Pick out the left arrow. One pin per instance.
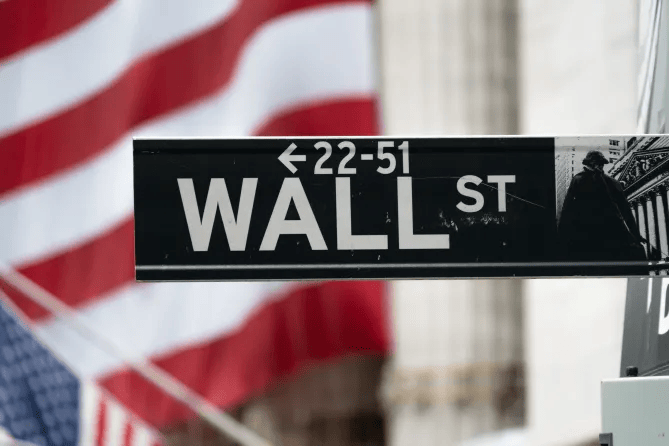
(288, 159)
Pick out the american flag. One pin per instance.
(79, 79)
(43, 403)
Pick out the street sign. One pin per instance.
(391, 208)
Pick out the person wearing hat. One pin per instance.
(597, 223)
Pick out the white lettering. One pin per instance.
(407, 239)
(236, 230)
(663, 326)
(292, 190)
(476, 195)
(345, 239)
(501, 181)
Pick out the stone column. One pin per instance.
(650, 223)
(664, 191)
(449, 66)
(641, 220)
(662, 222)
(656, 218)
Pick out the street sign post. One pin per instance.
(391, 208)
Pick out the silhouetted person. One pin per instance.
(597, 223)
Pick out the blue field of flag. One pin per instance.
(39, 396)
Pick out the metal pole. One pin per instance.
(166, 382)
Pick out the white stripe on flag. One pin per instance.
(115, 425)
(182, 314)
(46, 219)
(101, 50)
(88, 412)
(283, 67)
(141, 435)
(117, 418)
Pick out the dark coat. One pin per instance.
(590, 226)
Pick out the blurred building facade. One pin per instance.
(334, 404)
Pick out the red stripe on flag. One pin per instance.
(101, 425)
(310, 325)
(20, 299)
(346, 117)
(128, 433)
(154, 86)
(24, 23)
(82, 274)
(99, 266)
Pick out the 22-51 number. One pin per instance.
(383, 153)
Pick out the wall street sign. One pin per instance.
(391, 208)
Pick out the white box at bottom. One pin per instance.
(636, 411)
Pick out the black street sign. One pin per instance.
(391, 208)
